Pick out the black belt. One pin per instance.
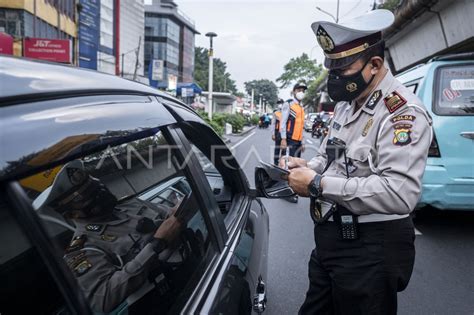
(346, 220)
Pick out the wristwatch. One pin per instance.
(314, 186)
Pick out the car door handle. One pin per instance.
(260, 297)
(467, 134)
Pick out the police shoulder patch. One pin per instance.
(403, 118)
(402, 136)
(394, 101)
(374, 99)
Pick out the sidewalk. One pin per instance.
(228, 138)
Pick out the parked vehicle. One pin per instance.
(446, 86)
(308, 123)
(140, 143)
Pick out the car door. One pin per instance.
(241, 271)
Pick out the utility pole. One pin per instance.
(123, 57)
(211, 35)
(137, 58)
(251, 104)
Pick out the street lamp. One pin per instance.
(211, 35)
(260, 103)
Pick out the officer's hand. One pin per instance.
(293, 162)
(299, 180)
(283, 144)
(169, 230)
(273, 137)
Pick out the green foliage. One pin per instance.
(237, 121)
(312, 92)
(254, 119)
(267, 88)
(222, 80)
(389, 5)
(220, 119)
(298, 69)
(239, 94)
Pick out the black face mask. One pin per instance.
(347, 87)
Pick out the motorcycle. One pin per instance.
(317, 129)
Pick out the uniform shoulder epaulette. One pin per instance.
(394, 101)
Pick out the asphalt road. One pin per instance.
(443, 277)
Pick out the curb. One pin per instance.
(226, 140)
(243, 133)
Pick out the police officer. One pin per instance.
(114, 247)
(292, 121)
(276, 136)
(366, 178)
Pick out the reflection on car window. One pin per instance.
(222, 192)
(455, 91)
(26, 282)
(128, 226)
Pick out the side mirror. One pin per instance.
(269, 188)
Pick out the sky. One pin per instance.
(256, 38)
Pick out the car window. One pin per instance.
(221, 191)
(105, 213)
(26, 281)
(454, 90)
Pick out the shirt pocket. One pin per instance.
(358, 163)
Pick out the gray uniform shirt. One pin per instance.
(110, 259)
(387, 142)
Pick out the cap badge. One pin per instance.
(324, 40)
(351, 87)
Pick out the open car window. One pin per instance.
(127, 224)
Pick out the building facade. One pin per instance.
(426, 28)
(132, 35)
(169, 37)
(45, 19)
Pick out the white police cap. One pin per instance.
(344, 42)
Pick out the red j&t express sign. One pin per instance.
(58, 50)
(6, 44)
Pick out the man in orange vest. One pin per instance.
(276, 136)
(292, 122)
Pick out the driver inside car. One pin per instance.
(115, 246)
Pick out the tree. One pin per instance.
(389, 5)
(267, 88)
(298, 69)
(222, 80)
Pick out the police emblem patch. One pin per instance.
(374, 99)
(394, 101)
(367, 126)
(351, 87)
(402, 137)
(324, 40)
(82, 267)
(94, 227)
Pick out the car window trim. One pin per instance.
(34, 230)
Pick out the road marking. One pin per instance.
(309, 141)
(241, 141)
(417, 232)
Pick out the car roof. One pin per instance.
(25, 77)
(52, 113)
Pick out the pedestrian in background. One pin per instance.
(276, 136)
(366, 177)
